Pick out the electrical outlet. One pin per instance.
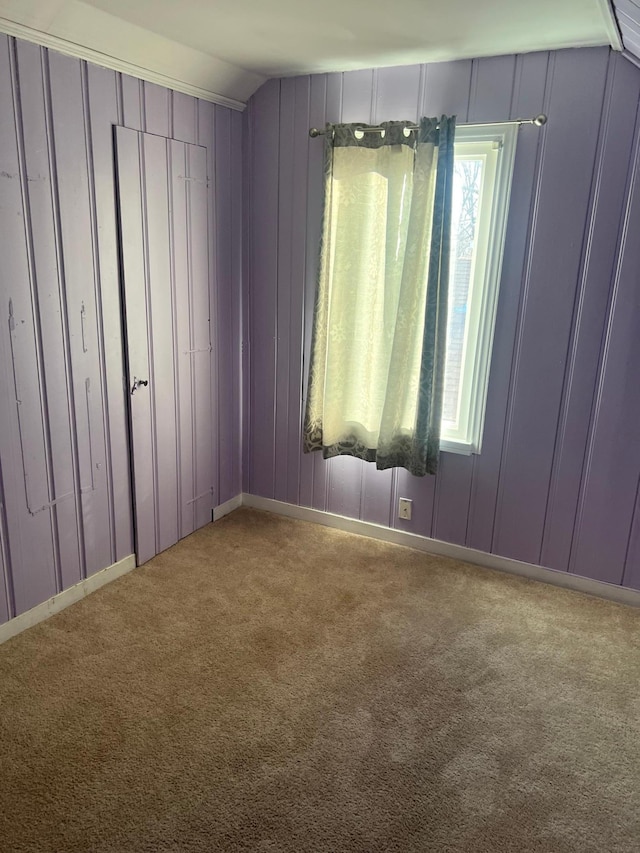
(404, 508)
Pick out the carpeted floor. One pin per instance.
(272, 685)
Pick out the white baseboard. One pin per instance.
(600, 589)
(65, 598)
(227, 507)
(350, 525)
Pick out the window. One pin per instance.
(484, 158)
(381, 347)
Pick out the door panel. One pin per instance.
(198, 353)
(162, 188)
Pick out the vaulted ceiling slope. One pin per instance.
(222, 50)
(628, 15)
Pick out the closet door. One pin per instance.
(162, 189)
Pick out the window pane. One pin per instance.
(467, 183)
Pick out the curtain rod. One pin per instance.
(539, 121)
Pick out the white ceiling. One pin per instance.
(224, 49)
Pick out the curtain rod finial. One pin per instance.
(540, 120)
(313, 132)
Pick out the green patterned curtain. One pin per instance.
(376, 376)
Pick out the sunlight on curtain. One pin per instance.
(378, 351)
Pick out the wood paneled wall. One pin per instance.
(557, 481)
(65, 501)
(627, 13)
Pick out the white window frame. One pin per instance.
(496, 145)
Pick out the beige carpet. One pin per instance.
(272, 685)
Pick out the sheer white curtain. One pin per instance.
(376, 374)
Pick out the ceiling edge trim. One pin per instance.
(611, 24)
(11, 28)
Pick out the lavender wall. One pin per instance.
(556, 483)
(65, 502)
(627, 13)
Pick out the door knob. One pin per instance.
(137, 383)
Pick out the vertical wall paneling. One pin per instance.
(64, 445)
(575, 101)
(446, 89)
(529, 80)
(183, 341)
(559, 394)
(377, 495)
(99, 415)
(132, 100)
(247, 258)
(397, 94)
(284, 287)
(606, 208)
(50, 310)
(223, 342)
(452, 496)
(219, 285)
(612, 467)
(492, 80)
(238, 239)
(185, 118)
(356, 96)
(77, 236)
(335, 96)
(344, 493)
(526, 176)
(158, 103)
(103, 89)
(27, 498)
(195, 179)
(263, 296)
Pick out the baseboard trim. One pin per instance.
(65, 598)
(600, 589)
(228, 506)
(620, 594)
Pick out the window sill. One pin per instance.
(463, 448)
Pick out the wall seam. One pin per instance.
(276, 330)
(303, 366)
(583, 271)
(174, 342)
(214, 304)
(594, 415)
(97, 282)
(60, 261)
(192, 342)
(36, 317)
(522, 306)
